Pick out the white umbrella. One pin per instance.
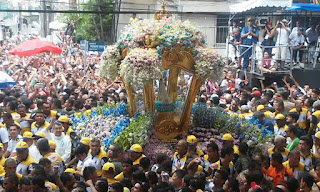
(57, 25)
(6, 80)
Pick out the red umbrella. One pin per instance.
(33, 47)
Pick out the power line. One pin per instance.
(105, 12)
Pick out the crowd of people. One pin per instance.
(40, 151)
(275, 44)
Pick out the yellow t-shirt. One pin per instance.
(302, 121)
(119, 176)
(50, 186)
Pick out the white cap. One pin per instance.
(213, 96)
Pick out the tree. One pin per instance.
(95, 26)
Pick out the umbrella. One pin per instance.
(33, 47)
(6, 80)
(57, 25)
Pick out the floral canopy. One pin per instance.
(146, 40)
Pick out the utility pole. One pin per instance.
(44, 24)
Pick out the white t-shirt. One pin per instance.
(283, 37)
(13, 143)
(63, 146)
(34, 153)
(4, 135)
(296, 39)
(85, 163)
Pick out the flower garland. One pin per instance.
(110, 62)
(208, 64)
(140, 65)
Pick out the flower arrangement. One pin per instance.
(154, 146)
(103, 122)
(136, 132)
(166, 33)
(208, 64)
(140, 65)
(213, 123)
(172, 32)
(110, 62)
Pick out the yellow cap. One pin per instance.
(40, 134)
(52, 144)
(126, 189)
(27, 135)
(191, 140)
(85, 141)
(135, 148)
(317, 135)
(70, 170)
(227, 137)
(64, 119)
(280, 116)
(200, 168)
(21, 145)
(1, 145)
(260, 107)
(107, 166)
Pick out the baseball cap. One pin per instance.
(63, 119)
(260, 107)
(317, 135)
(256, 93)
(213, 96)
(280, 116)
(284, 21)
(85, 141)
(70, 170)
(52, 144)
(27, 135)
(135, 148)
(191, 140)
(227, 137)
(21, 145)
(107, 166)
(40, 134)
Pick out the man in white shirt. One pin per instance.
(63, 142)
(282, 42)
(297, 40)
(14, 139)
(81, 152)
(4, 137)
(33, 150)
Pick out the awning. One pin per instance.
(304, 7)
(257, 4)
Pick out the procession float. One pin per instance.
(149, 57)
